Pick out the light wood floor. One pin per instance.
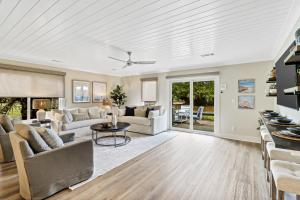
(186, 167)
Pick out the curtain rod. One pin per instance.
(31, 69)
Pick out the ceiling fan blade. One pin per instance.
(116, 69)
(144, 62)
(116, 59)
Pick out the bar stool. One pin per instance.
(265, 138)
(285, 178)
(274, 153)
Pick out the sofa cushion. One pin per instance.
(51, 138)
(81, 124)
(140, 112)
(80, 117)
(129, 111)
(135, 120)
(2, 131)
(6, 123)
(69, 112)
(35, 141)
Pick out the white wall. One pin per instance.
(74, 75)
(291, 113)
(234, 123)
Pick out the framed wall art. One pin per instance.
(247, 86)
(99, 91)
(246, 102)
(81, 91)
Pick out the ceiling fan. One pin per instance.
(129, 62)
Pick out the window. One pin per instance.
(21, 108)
(149, 90)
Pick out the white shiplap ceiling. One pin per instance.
(81, 34)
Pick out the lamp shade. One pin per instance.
(40, 103)
(107, 102)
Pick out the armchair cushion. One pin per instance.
(6, 123)
(6, 152)
(2, 131)
(33, 138)
(51, 138)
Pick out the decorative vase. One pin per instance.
(41, 115)
(114, 120)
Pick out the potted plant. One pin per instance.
(118, 96)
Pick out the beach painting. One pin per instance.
(246, 102)
(247, 86)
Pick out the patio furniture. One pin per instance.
(181, 115)
(199, 113)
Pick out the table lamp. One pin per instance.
(107, 104)
(40, 104)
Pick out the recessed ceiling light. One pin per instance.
(207, 54)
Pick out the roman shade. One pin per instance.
(149, 89)
(18, 81)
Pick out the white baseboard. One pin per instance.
(245, 138)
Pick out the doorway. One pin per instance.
(194, 104)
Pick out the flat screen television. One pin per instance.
(286, 77)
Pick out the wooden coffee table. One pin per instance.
(121, 127)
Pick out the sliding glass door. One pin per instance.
(181, 105)
(193, 104)
(203, 106)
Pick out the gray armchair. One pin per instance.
(43, 174)
(6, 152)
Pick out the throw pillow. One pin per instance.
(80, 117)
(121, 112)
(83, 110)
(94, 112)
(139, 112)
(129, 111)
(62, 118)
(69, 112)
(6, 123)
(35, 141)
(51, 138)
(94, 116)
(147, 111)
(2, 131)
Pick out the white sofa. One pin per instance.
(78, 120)
(155, 123)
